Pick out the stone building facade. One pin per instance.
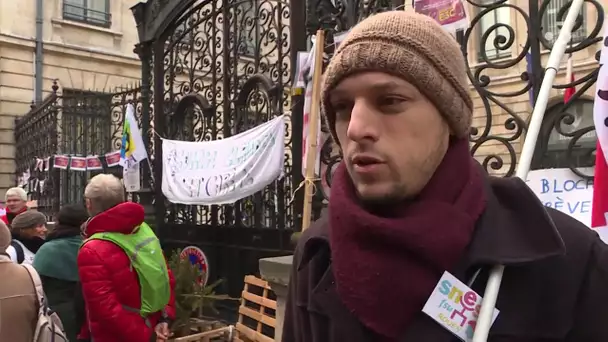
(87, 45)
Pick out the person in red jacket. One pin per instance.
(110, 286)
(16, 203)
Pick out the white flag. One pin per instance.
(132, 149)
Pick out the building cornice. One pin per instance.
(70, 50)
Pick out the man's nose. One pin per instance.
(363, 123)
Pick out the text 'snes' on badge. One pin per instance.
(455, 307)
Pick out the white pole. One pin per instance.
(557, 53)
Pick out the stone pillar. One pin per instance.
(276, 272)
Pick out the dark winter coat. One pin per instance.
(554, 286)
(56, 264)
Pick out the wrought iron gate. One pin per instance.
(219, 68)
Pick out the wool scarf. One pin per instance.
(32, 243)
(386, 263)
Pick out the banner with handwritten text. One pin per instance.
(563, 190)
(223, 171)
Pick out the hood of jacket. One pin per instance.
(122, 218)
(57, 258)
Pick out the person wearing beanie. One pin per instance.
(16, 203)
(56, 263)
(29, 233)
(409, 203)
(18, 301)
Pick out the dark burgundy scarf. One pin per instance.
(387, 266)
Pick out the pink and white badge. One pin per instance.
(455, 307)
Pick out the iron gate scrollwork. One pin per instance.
(220, 68)
(235, 57)
(494, 142)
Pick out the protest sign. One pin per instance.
(563, 190)
(197, 257)
(223, 171)
(450, 14)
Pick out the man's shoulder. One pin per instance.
(576, 235)
(310, 241)
(101, 250)
(573, 233)
(19, 275)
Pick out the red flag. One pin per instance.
(600, 190)
(569, 92)
(599, 206)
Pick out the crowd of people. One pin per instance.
(101, 268)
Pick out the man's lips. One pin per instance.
(366, 164)
(364, 160)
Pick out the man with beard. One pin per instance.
(408, 203)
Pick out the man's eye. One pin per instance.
(342, 110)
(390, 101)
(340, 106)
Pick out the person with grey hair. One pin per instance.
(16, 203)
(126, 298)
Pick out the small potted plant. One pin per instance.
(192, 298)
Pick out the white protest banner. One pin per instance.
(131, 177)
(223, 171)
(563, 190)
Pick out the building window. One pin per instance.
(94, 12)
(249, 30)
(500, 15)
(552, 148)
(551, 25)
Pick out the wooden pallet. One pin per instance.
(225, 332)
(245, 333)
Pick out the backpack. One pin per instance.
(48, 326)
(146, 255)
(19, 250)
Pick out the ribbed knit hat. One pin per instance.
(413, 47)
(28, 219)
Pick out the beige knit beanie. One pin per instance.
(411, 46)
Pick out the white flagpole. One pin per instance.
(557, 53)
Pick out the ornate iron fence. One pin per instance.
(212, 69)
(75, 123)
(224, 68)
(498, 124)
(36, 136)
